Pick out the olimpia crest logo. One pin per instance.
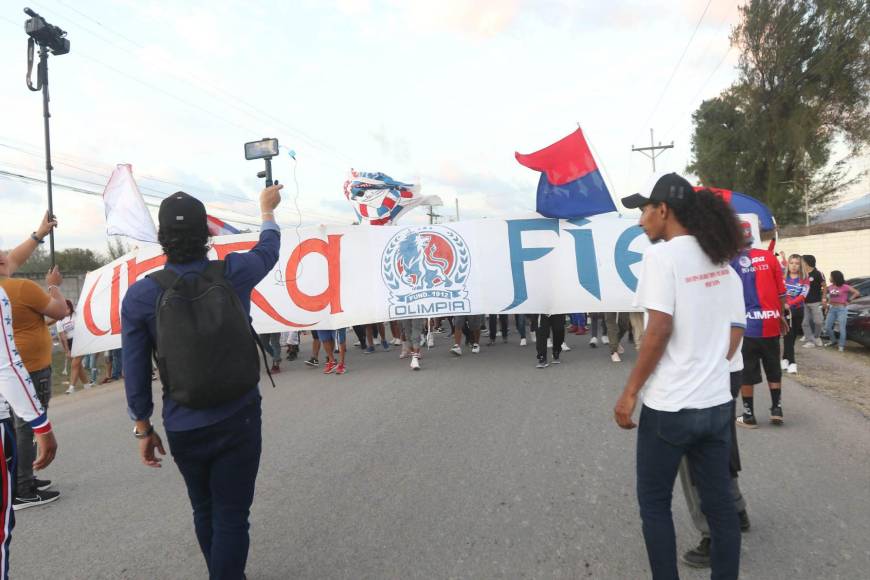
(425, 269)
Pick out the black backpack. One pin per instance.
(206, 347)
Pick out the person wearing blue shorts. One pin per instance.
(328, 338)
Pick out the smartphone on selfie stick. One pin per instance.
(264, 149)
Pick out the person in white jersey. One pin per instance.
(694, 311)
(17, 392)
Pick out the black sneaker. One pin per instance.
(556, 359)
(542, 363)
(776, 416)
(698, 557)
(41, 484)
(748, 421)
(38, 498)
(312, 362)
(744, 521)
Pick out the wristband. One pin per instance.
(144, 435)
(36, 238)
(50, 286)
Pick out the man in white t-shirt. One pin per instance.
(694, 326)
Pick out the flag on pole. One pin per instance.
(571, 185)
(378, 199)
(218, 227)
(742, 203)
(126, 214)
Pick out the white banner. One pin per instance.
(338, 276)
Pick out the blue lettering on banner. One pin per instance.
(519, 255)
(584, 254)
(624, 258)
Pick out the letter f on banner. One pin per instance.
(519, 255)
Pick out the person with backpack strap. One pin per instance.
(193, 318)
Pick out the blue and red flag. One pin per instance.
(571, 185)
(742, 203)
(218, 227)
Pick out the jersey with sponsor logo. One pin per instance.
(763, 289)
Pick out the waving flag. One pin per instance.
(378, 199)
(218, 227)
(742, 203)
(571, 185)
(126, 214)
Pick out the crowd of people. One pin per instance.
(693, 362)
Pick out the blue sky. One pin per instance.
(437, 92)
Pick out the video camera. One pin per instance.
(45, 34)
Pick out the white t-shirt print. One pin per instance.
(705, 301)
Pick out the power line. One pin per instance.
(677, 66)
(324, 147)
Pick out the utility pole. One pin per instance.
(434, 218)
(653, 149)
(457, 209)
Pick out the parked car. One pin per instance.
(861, 284)
(858, 321)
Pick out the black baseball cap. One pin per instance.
(670, 188)
(182, 212)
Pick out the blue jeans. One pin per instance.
(219, 464)
(836, 314)
(663, 438)
(117, 364)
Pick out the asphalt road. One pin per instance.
(479, 467)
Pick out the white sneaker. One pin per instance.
(593, 342)
(605, 340)
(615, 357)
(803, 339)
(841, 349)
(565, 347)
(357, 343)
(783, 363)
(522, 342)
(809, 344)
(405, 352)
(475, 348)
(396, 342)
(430, 342)
(818, 342)
(88, 385)
(457, 350)
(415, 363)
(549, 343)
(792, 369)
(70, 390)
(620, 349)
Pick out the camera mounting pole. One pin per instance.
(42, 84)
(49, 37)
(267, 173)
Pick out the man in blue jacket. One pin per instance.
(217, 449)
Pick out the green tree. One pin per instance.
(804, 87)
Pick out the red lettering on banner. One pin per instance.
(115, 301)
(331, 250)
(257, 298)
(89, 316)
(136, 269)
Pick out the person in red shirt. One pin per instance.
(764, 295)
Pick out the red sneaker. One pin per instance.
(329, 368)
(572, 329)
(275, 369)
(340, 369)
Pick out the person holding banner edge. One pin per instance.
(683, 366)
(216, 447)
